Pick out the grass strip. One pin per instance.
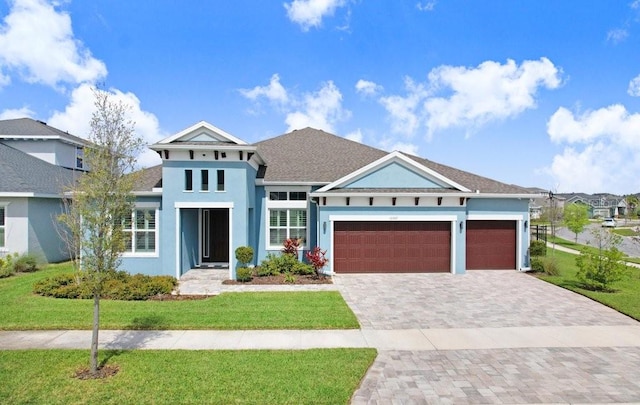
(626, 298)
(327, 376)
(23, 310)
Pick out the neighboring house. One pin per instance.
(36, 163)
(600, 205)
(543, 200)
(373, 211)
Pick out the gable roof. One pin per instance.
(22, 173)
(150, 178)
(314, 156)
(405, 161)
(217, 136)
(27, 128)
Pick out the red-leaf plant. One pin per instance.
(316, 257)
(290, 247)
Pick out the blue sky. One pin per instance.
(538, 93)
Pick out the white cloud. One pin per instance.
(634, 86)
(475, 96)
(602, 152)
(408, 148)
(37, 43)
(426, 6)
(77, 115)
(309, 13)
(368, 88)
(617, 35)
(273, 92)
(355, 136)
(403, 110)
(24, 112)
(322, 110)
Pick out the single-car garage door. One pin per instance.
(491, 245)
(391, 247)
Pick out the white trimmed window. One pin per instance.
(141, 233)
(287, 217)
(3, 211)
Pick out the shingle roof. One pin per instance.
(31, 127)
(309, 154)
(312, 155)
(22, 173)
(150, 178)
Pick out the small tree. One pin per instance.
(101, 199)
(576, 218)
(600, 268)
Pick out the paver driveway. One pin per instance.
(487, 299)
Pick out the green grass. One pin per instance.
(23, 310)
(625, 232)
(626, 299)
(579, 247)
(328, 376)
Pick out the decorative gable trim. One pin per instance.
(403, 160)
(192, 133)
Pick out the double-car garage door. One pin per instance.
(420, 246)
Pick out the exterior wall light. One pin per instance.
(461, 226)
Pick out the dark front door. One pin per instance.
(215, 235)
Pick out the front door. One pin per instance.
(215, 236)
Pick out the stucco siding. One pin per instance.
(16, 225)
(393, 175)
(45, 241)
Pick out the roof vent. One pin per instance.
(42, 122)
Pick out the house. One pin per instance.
(373, 211)
(599, 205)
(36, 162)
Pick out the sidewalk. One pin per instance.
(405, 339)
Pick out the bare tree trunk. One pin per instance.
(94, 335)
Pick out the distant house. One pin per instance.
(373, 211)
(36, 162)
(600, 205)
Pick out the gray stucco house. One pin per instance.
(36, 162)
(373, 211)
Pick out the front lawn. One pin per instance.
(22, 310)
(626, 299)
(181, 377)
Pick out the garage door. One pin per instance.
(491, 245)
(392, 247)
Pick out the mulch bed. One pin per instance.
(103, 372)
(279, 279)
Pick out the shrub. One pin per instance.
(118, 285)
(302, 269)
(268, 267)
(550, 266)
(538, 248)
(317, 259)
(291, 246)
(7, 265)
(289, 278)
(25, 263)
(244, 274)
(282, 264)
(244, 255)
(536, 264)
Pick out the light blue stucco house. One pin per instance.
(373, 211)
(37, 163)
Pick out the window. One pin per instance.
(204, 176)
(140, 231)
(287, 223)
(290, 196)
(220, 186)
(188, 180)
(79, 158)
(2, 226)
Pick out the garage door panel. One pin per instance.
(398, 247)
(491, 245)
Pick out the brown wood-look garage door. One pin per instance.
(391, 247)
(491, 245)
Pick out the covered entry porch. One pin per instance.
(203, 237)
